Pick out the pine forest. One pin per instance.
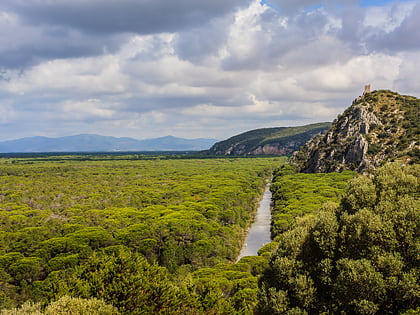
(160, 234)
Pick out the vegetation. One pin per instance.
(109, 227)
(379, 127)
(64, 306)
(159, 234)
(298, 194)
(400, 124)
(358, 257)
(287, 139)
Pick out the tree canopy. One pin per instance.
(358, 257)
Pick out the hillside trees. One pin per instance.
(360, 257)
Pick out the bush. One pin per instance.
(66, 305)
(76, 306)
(373, 148)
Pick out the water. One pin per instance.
(259, 233)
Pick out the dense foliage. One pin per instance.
(159, 235)
(358, 257)
(112, 228)
(298, 194)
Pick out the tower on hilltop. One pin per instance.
(367, 89)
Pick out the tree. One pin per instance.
(360, 257)
(27, 269)
(127, 281)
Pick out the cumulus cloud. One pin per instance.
(67, 29)
(23, 45)
(195, 68)
(203, 42)
(110, 16)
(404, 37)
(82, 76)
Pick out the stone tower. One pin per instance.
(367, 89)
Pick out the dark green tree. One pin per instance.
(360, 257)
(125, 280)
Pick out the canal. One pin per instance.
(259, 232)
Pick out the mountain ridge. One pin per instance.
(96, 143)
(268, 141)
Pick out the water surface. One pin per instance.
(259, 232)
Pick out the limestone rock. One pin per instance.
(378, 126)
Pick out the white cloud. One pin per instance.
(238, 69)
(407, 81)
(380, 70)
(389, 17)
(87, 109)
(81, 75)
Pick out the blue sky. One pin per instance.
(267, 3)
(196, 68)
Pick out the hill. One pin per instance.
(96, 143)
(378, 127)
(273, 141)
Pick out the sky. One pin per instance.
(196, 68)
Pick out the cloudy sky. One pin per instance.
(196, 68)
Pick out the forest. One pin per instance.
(134, 234)
(153, 220)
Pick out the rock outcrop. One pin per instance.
(379, 126)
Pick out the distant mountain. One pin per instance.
(379, 126)
(97, 143)
(271, 141)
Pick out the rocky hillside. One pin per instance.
(379, 126)
(269, 141)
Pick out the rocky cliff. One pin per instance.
(268, 141)
(378, 127)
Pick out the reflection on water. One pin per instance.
(259, 233)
